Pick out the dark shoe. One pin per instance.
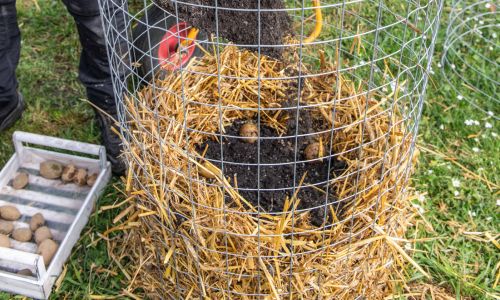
(112, 142)
(14, 115)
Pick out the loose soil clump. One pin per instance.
(234, 22)
(277, 180)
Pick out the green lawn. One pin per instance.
(460, 223)
(48, 80)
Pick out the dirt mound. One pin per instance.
(237, 21)
(277, 180)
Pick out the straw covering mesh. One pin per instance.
(199, 237)
(349, 80)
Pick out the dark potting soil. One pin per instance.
(234, 23)
(278, 179)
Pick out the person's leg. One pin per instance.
(11, 103)
(95, 73)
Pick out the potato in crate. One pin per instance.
(47, 192)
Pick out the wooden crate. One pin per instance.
(66, 207)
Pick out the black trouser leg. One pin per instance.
(10, 45)
(94, 73)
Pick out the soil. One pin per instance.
(278, 177)
(234, 23)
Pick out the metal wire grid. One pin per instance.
(472, 47)
(398, 36)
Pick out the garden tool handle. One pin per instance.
(319, 23)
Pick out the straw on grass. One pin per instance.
(200, 238)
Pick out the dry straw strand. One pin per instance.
(199, 237)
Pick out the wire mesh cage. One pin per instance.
(270, 143)
(471, 50)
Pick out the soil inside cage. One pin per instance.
(278, 172)
(237, 21)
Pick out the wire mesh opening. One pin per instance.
(270, 142)
(471, 44)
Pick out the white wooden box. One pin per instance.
(66, 207)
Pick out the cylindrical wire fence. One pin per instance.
(471, 50)
(270, 143)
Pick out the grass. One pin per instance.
(459, 210)
(47, 76)
(460, 207)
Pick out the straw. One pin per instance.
(200, 237)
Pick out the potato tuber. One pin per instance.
(37, 221)
(9, 213)
(51, 169)
(47, 249)
(249, 132)
(20, 181)
(22, 234)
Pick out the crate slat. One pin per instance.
(11, 167)
(49, 215)
(23, 246)
(55, 185)
(41, 198)
(37, 156)
(14, 285)
(65, 207)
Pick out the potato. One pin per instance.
(80, 177)
(42, 233)
(51, 169)
(47, 249)
(312, 151)
(25, 272)
(37, 221)
(4, 241)
(91, 179)
(68, 173)
(249, 132)
(6, 227)
(22, 234)
(20, 181)
(9, 213)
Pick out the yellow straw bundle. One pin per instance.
(190, 237)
